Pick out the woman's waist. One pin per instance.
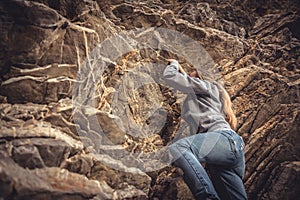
(236, 138)
(214, 126)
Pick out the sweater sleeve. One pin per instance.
(183, 82)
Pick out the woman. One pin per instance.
(207, 110)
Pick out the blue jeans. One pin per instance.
(222, 151)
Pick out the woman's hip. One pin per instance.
(223, 147)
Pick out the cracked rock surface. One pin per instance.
(84, 111)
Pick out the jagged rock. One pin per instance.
(286, 174)
(105, 169)
(47, 183)
(169, 184)
(58, 144)
(42, 53)
(36, 144)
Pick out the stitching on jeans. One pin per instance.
(233, 147)
(199, 178)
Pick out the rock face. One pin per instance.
(85, 114)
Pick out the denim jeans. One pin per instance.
(222, 151)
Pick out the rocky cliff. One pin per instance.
(85, 114)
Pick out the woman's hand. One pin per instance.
(180, 69)
(172, 60)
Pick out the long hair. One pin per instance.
(227, 106)
(225, 100)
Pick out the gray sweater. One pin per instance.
(202, 108)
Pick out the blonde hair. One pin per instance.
(225, 100)
(227, 106)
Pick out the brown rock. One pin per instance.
(52, 149)
(47, 183)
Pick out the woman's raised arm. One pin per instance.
(175, 76)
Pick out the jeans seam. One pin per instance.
(233, 147)
(200, 179)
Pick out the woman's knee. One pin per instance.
(175, 150)
(178, 148)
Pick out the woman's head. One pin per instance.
(227, 106)
(194, 73)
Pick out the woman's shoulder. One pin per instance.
(207, 83)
